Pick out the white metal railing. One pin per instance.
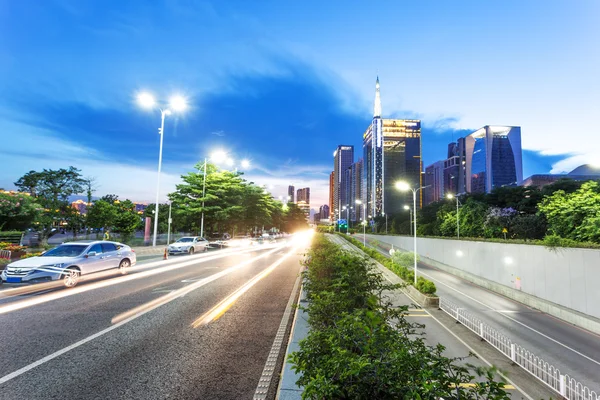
(5, 254)
(564, 385)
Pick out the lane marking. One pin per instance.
(506, 316)
(122, 322)
(221, 308)
(29, 302)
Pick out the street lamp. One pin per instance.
(364, 224)
(450, 196)
(177, 104)
(403, 187)
(407, 207)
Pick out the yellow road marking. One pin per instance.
(508, 387)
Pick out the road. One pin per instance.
(160, 332)
(574, 351)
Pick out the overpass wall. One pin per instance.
(563, 282)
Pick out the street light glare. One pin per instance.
(178, 103)
(245, 164)
(406, 207)
(218, 156)
(402, 186)
(358, 202)
(229, 161)
(146, 100)
(450, 196)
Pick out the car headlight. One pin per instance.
(49, 267)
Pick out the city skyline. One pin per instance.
(82, 107)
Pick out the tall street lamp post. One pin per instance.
(407, 207)
(177, 103)
(450, 196)
(364, 224)
(403, 186)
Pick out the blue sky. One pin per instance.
(283, 83)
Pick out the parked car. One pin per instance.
(69, 261)
(189, 245)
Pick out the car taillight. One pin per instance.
(132, 250)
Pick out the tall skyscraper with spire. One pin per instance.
(392, 152)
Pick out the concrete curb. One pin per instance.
(288, 390)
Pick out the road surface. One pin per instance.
(153, 334)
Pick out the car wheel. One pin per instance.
(191, 251)
(124, 266)
(70, 277)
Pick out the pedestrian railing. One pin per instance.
(564, 385)
(5, 254)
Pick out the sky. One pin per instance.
(283, 83)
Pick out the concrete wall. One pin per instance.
(568, 278)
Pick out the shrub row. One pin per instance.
(399, 264)
(360, 347)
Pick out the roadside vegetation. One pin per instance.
(360, 347)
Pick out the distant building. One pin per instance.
(493, 158)
(316, 218)
(140, 207)
(324, 211)
(343, 158)
(303, 195)
(331, 194)
(291, 194)
(356, 189)
(455, 168)
(305, 207)
(392, 152)
(434, 183)
(81, 206)
(584, 172)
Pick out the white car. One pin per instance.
(188, 245)
(69, 261)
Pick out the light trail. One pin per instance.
(18, 305)
(221, 308)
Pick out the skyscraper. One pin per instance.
(356, 190)
(291, 194)
(392, 152)
(303, 195)
(434, 183)
(331, 194)
(493, 158)
(343, 159)
(324, 211)
(454, 168)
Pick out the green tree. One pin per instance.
(163, 216)
(127, 220)
(574, 215)
(472, 218)
(18, 211)
(51, 189)
(294, 219)
(102, 215)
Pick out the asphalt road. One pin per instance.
(147, 335)
(574, 351)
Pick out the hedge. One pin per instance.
(361, 347)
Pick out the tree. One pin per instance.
(110, 198)
(18, 211)
(102, 215)
(51, 189)
(294, 219)
(574, 215)
(90, 185)
(127, 220)
(163, 216)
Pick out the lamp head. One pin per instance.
(402, 186)
(178, 103)
(146, 100)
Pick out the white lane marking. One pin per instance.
(514, 320)
(58, 353)
(464, 343)
(101, 284)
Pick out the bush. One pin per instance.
(29, 255)
(360, 347)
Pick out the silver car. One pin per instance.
(69, 261)
(189, 245)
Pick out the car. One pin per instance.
(69, 261)
(188, 245)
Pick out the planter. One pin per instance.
(422, 299)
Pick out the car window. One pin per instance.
(67, 250)
(185, 240)
(97, 248)
(106, 247)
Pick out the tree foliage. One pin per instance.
(18, 211)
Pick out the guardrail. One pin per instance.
(562, 384)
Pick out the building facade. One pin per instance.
(291, 190)
(391, 153)
(434, 183)
(303, 195)
(356, 190)
(493, 158)
(324, 211)
(331, 194)
(454, 168)
(343, 159)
